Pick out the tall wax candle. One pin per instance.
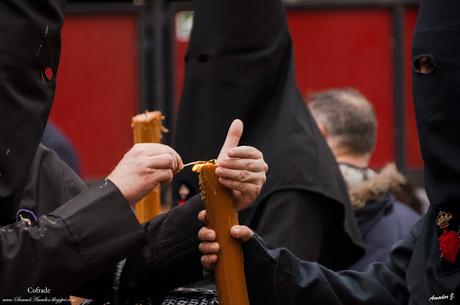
(222, 215)
(147, 128)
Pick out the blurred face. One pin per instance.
(184, 191)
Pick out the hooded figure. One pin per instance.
(239, 64)
(40, 244)
(51, 238)
(425, 267)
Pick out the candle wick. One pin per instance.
(193, 163)
(213, 161)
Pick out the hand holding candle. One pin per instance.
(143, 168)
(241, 168)
(148, 128)
(231, 184)
(210, 247)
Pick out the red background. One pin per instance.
(98, 79)
(97, 88)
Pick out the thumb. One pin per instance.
(242, 233)
(233, 137)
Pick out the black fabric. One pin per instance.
(78, 243)
(416, 272)
(50, 184)
(29, 44)
(286, 280)
(303, 223)
(55, 233)
(239, 64)
(436, 95)
(48, 237)
(297, 213)
(170, 259)
(68, 243)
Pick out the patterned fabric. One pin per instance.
(187, 296)
(180, 296)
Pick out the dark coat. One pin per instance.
(383, 222)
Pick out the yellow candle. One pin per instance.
(147, 128)
(222, 215)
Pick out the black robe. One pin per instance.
(77, 240)
(55, 233)
(239, 64)
(416, 272)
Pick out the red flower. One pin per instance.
(449, 245)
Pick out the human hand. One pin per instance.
(144, 167)
(210, 248)
(241, 169)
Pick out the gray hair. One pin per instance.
(348, 117)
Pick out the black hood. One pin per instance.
(239, 64)
(436, 91)
(437, 96)
(29, 57)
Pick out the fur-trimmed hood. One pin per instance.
(365, 185)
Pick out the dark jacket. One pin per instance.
(382, 220)
(383, 223)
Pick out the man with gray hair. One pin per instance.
(348, 122)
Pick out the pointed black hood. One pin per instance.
(29, 58)
(239, 64)
(436, 90)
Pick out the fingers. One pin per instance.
(233, 137)
(143, 167)
(206, 234)
(246, 164)
(253, 165)
(242, 233)
(162, 161)
(253, 173)
(209, 247)
(161, 176)
(244, 152)
(209, 261)
(243, 170)
(250, 190)
(202, 216)
(152, 150)
(247, 172)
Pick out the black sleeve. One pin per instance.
(170, 259)
(68, 246)
(294, 220)
(278, 277)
